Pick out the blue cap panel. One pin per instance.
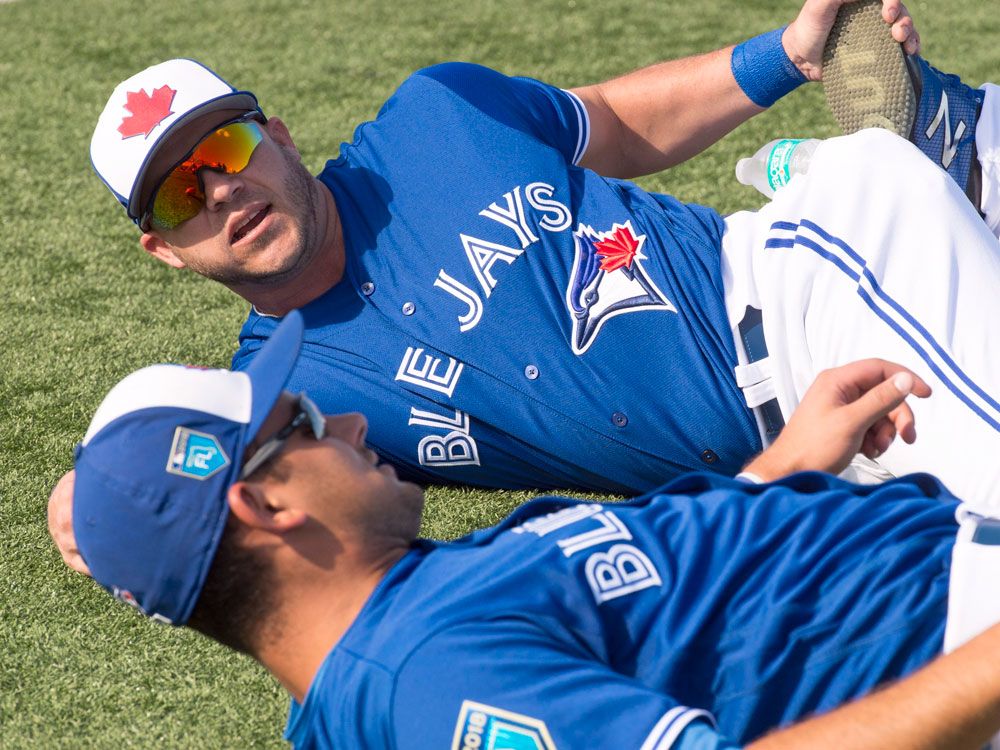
(147, 531)
(149, 499)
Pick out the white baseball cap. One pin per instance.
(142, 113)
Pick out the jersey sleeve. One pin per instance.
(552, 115)
(507, 683)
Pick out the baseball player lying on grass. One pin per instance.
(508, 314)
(704, 614)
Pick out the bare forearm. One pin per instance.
(661, 115)
(951, 704)
(664, 114)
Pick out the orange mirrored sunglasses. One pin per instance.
(181, 194)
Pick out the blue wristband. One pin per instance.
(763, 70)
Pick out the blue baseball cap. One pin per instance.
(152, 472)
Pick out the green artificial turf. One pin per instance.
(83, 306)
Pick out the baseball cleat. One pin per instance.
(865, 76)
(945, 124)
(870, 83)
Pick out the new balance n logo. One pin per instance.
(950, 142)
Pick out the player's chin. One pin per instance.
(274, 260)
(403, 486)
(269, 245)
(391, 477)
(290, 253)
(413, 496)
(387, 470)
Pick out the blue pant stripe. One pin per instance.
(835, 241)
(931, 341)
(838, 262)
(927, 359)
(778, 242)
(775, 242)
(877, 301)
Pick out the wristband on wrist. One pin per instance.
(763, 70)
(749, 477)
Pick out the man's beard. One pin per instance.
(300, 191)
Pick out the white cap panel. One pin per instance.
(218, 392)
(141, 111)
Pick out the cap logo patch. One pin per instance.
(147, 111)
(482, 727)
(196, 455)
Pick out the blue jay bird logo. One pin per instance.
(608, 280)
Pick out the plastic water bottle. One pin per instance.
(776, 163)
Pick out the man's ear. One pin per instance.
(249, 502)
(160, 249)
(279, 132)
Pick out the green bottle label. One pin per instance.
(780, 161)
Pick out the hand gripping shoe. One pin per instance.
(870, 83)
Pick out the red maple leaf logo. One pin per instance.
(618, 250)
(147, 111)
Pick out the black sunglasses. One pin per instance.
(305, 411)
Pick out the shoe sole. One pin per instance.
(865, 78)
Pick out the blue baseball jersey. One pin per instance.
(697, 617)
(508, 318)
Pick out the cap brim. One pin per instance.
(271, 367)
(238, 100)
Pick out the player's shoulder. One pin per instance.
(346, 706)
(457, 74)
(363, 696)
(465, 80)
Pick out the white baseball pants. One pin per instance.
(876, 252)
